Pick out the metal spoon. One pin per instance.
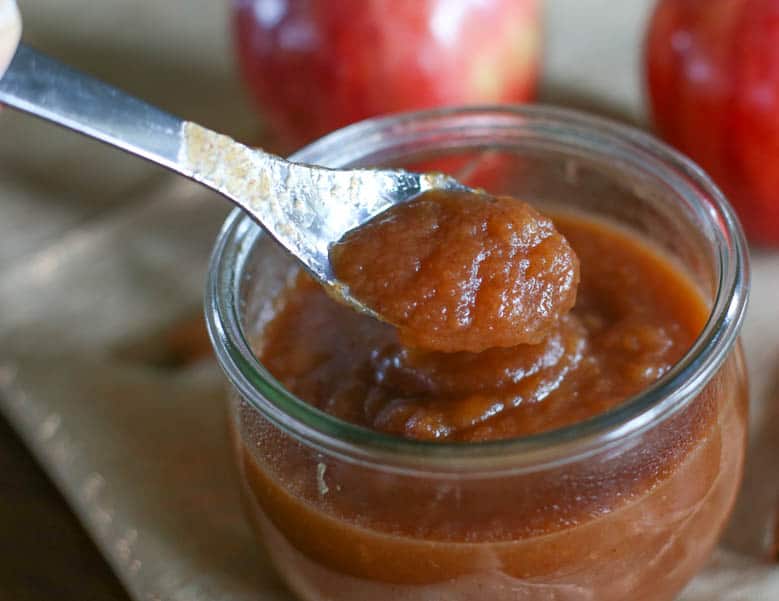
(305, 208)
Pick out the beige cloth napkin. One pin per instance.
(94, 297)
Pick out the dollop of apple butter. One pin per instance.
(461, 271)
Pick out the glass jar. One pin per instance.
(626, 505)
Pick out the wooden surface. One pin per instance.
(44, 552)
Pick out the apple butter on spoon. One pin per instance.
(461, 271)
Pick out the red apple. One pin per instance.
(712, 70)
(317, 65)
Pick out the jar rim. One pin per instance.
(572, 442)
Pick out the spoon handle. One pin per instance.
(293, 202)
(40, 85)
(304, 207)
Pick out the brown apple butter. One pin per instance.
(461, 271)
